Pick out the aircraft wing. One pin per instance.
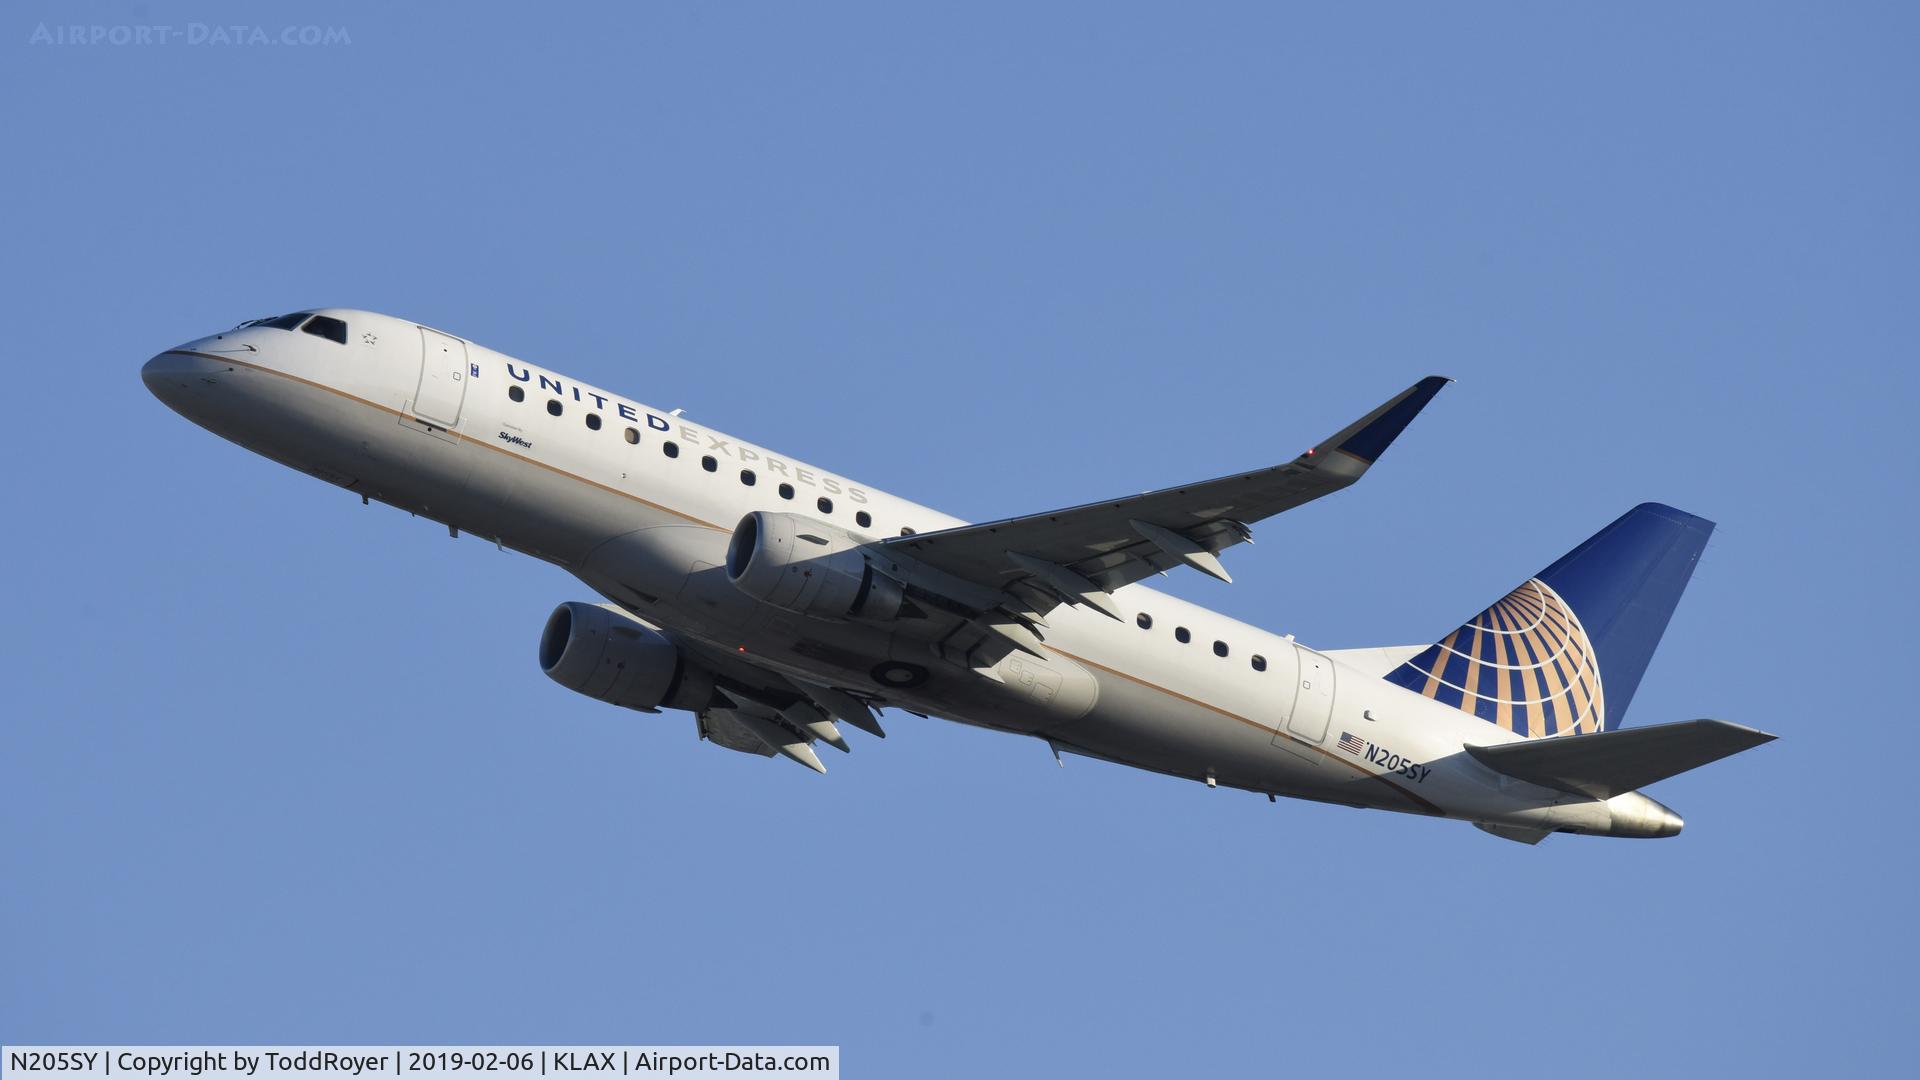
(1081, 554)
(763, 712)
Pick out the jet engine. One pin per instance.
(810, 567)
(602, 652)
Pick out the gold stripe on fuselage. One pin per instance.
(1423, 805)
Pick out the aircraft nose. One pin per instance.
(167, 375)
(172, 376)
(159, 370)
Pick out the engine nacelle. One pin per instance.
(809, 567)
(602, 652)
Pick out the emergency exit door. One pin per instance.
(443, 378)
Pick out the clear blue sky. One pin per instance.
(277, 768)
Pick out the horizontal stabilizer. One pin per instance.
(1519, 834)
(1614, 762)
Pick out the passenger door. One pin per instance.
(1313, 705)
(443, 378)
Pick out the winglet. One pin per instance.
(1368, 437)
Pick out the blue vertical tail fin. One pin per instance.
(1563, 653)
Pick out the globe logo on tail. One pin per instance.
(1524, 664)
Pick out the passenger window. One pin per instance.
(825, 504)
(553, 407)
(863, 519)
(514, 393)
(1180, 635)
(1259, 662)
(670, 448)
(786, 491)
(328, 327)
(1143, 620)
(633, 436)
(747, 477)
(905, 531)
(593, 420)
(709, 464)
(1219, 648)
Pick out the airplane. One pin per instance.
(776, 601)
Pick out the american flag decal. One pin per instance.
(1352, 743)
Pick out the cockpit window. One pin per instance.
(328, 327)
(278, 322)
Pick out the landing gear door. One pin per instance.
(443, 378)
(1313, 706)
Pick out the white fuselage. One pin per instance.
(641, 508)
